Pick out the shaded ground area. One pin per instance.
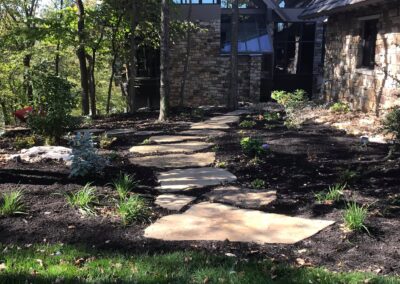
(299, 164)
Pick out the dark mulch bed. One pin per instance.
(300, 163)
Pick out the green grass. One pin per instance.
(354, 216)
(124, 184)
(83, 199)
(11, 203)
(133, 209)
(58, 264)
(334, 193)
(247, 124)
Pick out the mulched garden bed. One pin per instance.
(299, 164)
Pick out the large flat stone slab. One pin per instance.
(131, 131)
(186, 147)
(225, 119)
(204, 132)
(174, 138)
(173, 201)
(185, 179)
(218, 222)
(44, 153)
(176, 160)
(209, 125)
(244, 198)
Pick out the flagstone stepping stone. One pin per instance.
(225, 119)
(184, 179)
(186, 147)
(244, 198)
(204, 132)
(176, 160)
(92, 131)
(218, 222)
(130, 131)
(209, 125)
(173, 201)
(239, 112)
(173, 139)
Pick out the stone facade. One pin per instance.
(208, 71)
(344, 79)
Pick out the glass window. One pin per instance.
(369, 43)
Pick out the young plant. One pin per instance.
(391, 124)
(333, 194)
(247, 124)
(146, 142)
(133, 209)
(355, 216)
(348, 176)
(124, 184)
(105, 142)
(21, 142)
(83, 199)
(258, 184)
(272, 116)
(252, 147)
(12, 203)
(340, 107)
(221, 165)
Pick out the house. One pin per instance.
(277, 50)
(362, 51)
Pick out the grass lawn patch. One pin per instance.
(72, 264)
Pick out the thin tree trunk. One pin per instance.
(57, 59)
(131, 99)
(234, 88)
(28, 89)
(92, 81)
(186, 66)
(114, 61)
(164, 61)
(81, 53)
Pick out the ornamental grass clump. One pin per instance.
(133, 209)
(12, 203)
(84, 199)
(124, 184)
(333, 194)
(355, 216)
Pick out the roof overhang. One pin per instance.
(272, 4)
(332, 7)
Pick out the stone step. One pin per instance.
(173, 201)
(176, 160)
(174, 138)
(185, 147)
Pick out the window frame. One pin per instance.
(369, 37)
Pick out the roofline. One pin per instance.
(277, 9)
(340, 9)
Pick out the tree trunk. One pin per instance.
(187, 57)
(92, 81)
(131, 99)
(57, 59)
(234, 88)
(164, 61)
(81, 53)
(28, 89)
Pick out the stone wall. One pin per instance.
(344, 79)
(208, 71)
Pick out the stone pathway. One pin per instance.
(184, 166)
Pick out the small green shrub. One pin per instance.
(22, 142)
(272, 116)
(85, 158)
(391, 124)
(340, 107)
(146, 142)
(83, 199)
(133, 209)
(258, 184)
(124, 184)
(288, 99)
(221, 165)
(333, 194)
(355, 216)
(247, 124)
(54, 101)
(106, 142)
(12, 203)
(252, 147)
